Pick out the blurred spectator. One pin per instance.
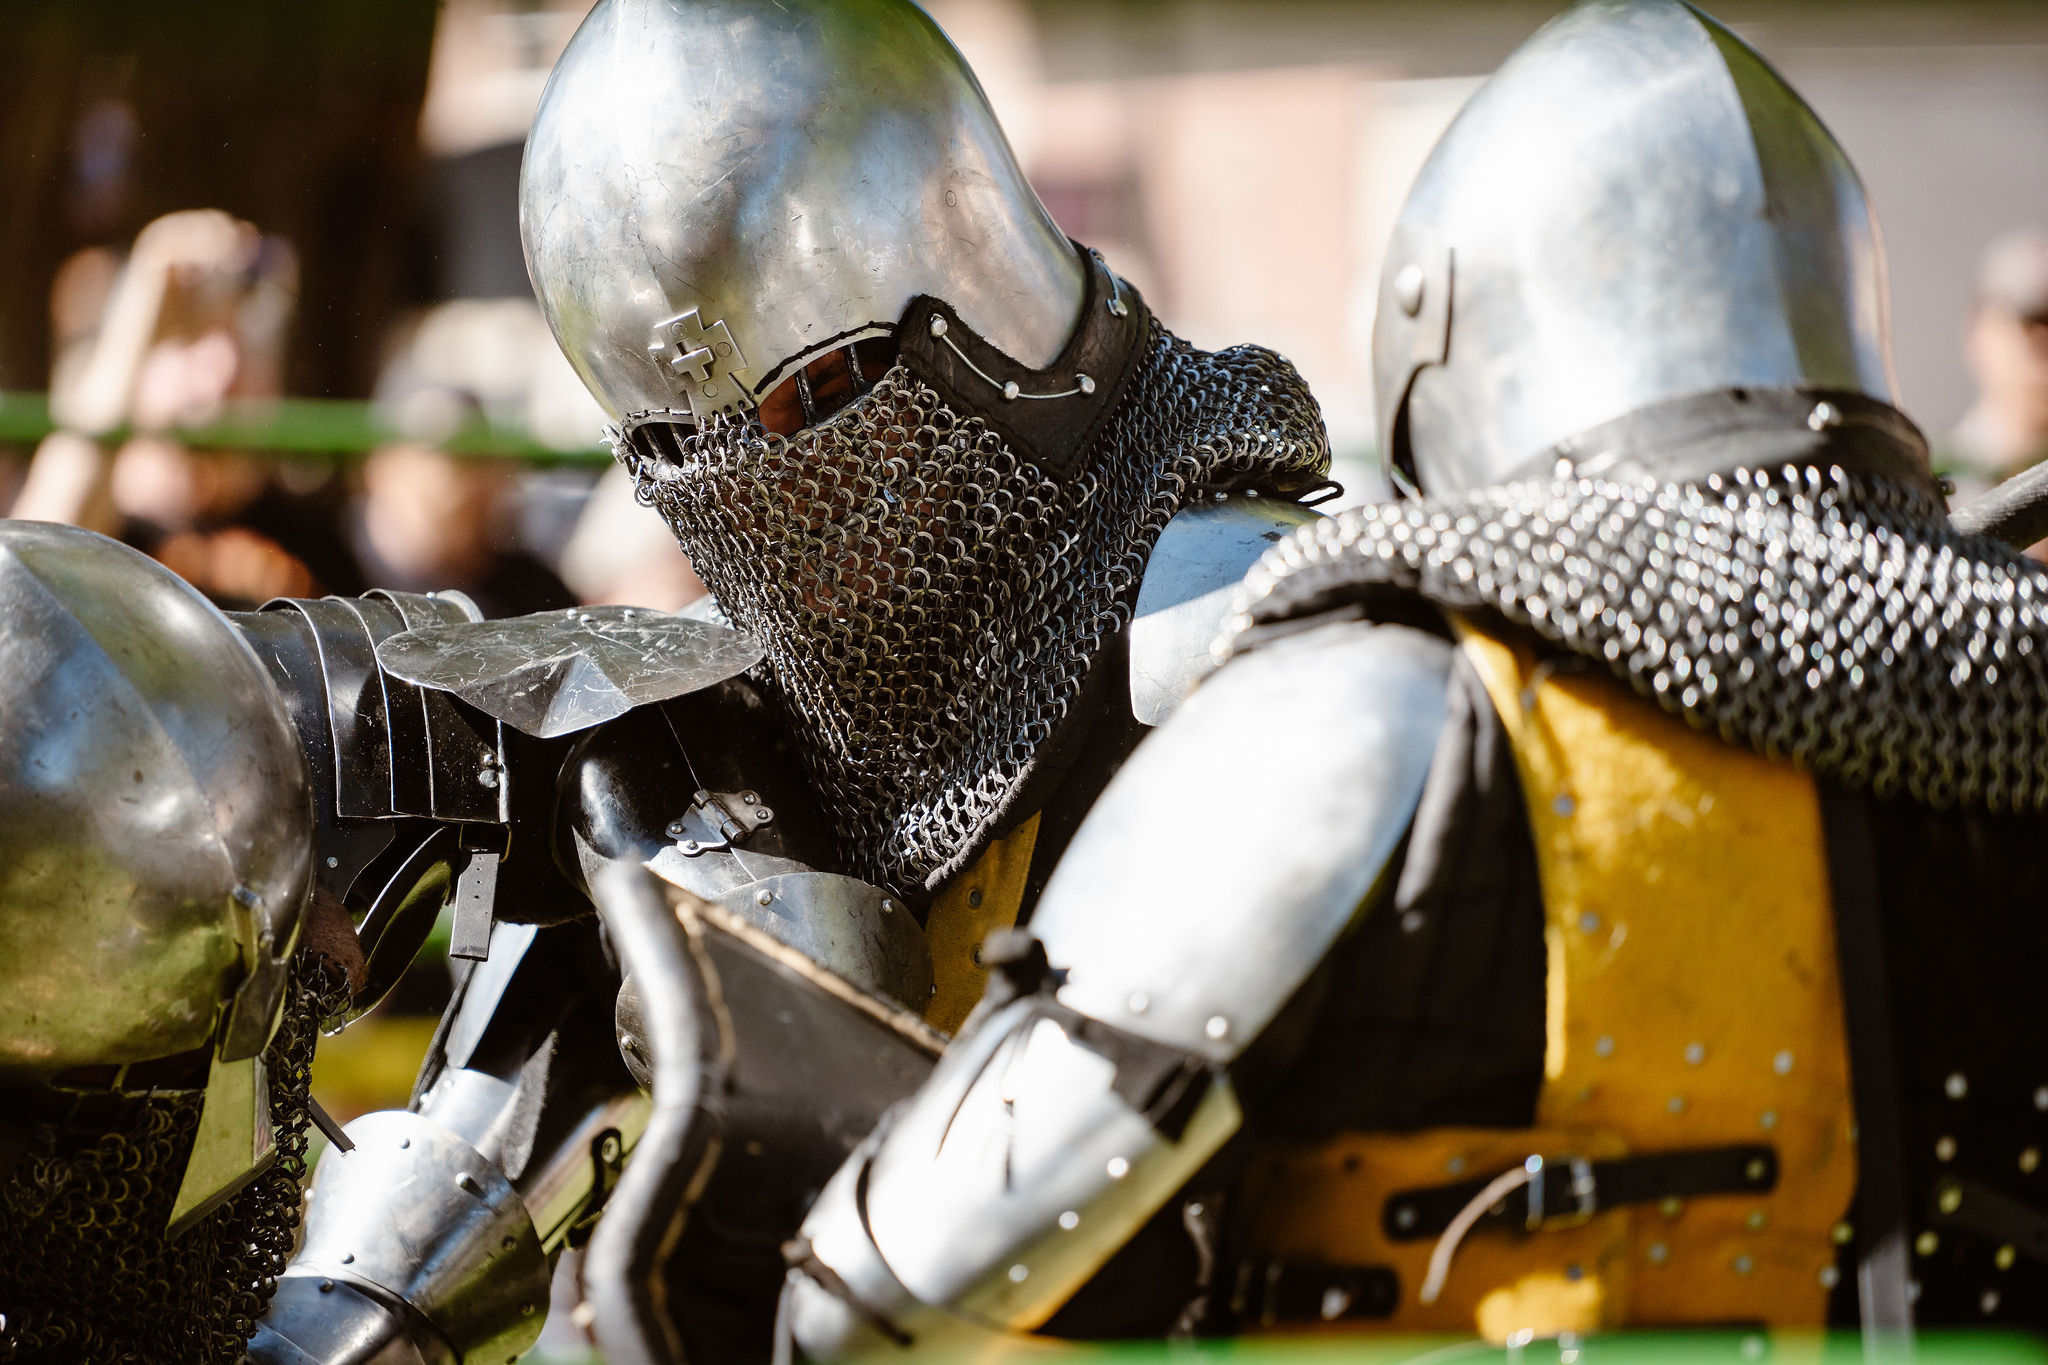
(2006, 429)
(624, 553)
(193, 320)
(430, 520)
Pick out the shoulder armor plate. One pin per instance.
(1200, 557)
(556, 672)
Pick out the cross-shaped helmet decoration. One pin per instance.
(704, 362)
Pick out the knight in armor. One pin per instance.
(1597, 889)
(719, 897)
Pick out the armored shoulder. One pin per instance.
(1186, 593)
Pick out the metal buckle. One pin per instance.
(1584, 1188)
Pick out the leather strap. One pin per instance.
(1578, 1189)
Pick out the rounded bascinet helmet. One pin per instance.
(155, 816)
(717, 191)
(1634, 235)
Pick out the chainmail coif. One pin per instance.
(1831, 618)
(929, 599)
(88, 1273)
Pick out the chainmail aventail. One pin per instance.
(89, 1274)
(1834, 619)
(930, 599)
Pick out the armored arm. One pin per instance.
(1210, 880)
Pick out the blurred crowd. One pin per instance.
(188, 328)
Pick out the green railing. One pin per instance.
(312, 428)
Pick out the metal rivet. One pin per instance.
(1926, 1243)
(1756, 1170)
(1589, 923)
(1944, 1149)
(1011, 390)
(1139, 1002)
(1659, 1253)
(2041, 1098)
(404, 1143)
(1824, 416)
(1118, 1168)
(691, 846)
(1843, 1233)
(2004, 1257)
(1564, 805)
(1675, 1105)
(1404, 1216)
(508, 1243)
(1070, 1220)
(525, 1310)
(1603, 1046)
(888, 906)
(1782, 1063)
(764, 897)
(763, 814)
(1456, 1165)
(1411, 920)
(1956, 1086)
(675, 829)
(1767, 1120)
(1671, 1206)
(1019, 1273)
(1084, 383)
(327, 1286)
(1743, 1264)
(1753, 1348)
(938, 326)
(952, 199)
(1756, 1220)
(1829, 1277)
(1989, 1302)
(1949, 1198)
(974, 897)
(1218, 1028)
(334, 862)
(1117, 307)
(1695, 1053)
(1408, 281)
(2030, 1158)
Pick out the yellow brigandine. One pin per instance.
(1693, 1002)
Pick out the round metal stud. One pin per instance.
(2030, 1160)
(764, 897)
(1695, 1053)
(1139, 1002)
(1782, 1063)
(1659, 1253)
(1010, 389)
(1084, 383)
(1218, 1028)
(1944, 1149)
(1956, 1086)
(1408, 283)
(938, 326)
(1118, 1168)
(1927, 1243)
(1069, 1221)
(1603, 1046)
